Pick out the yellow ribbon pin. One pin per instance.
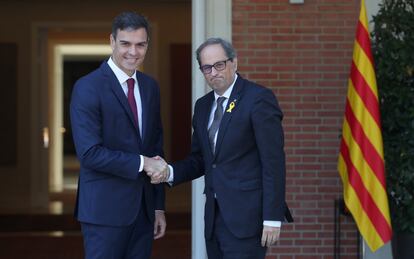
(231, 106)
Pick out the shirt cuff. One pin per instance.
(141, 164)
(271, 223)
(171, 177)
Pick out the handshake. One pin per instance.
(157, 169)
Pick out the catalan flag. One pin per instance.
(361, 158)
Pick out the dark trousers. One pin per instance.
(224, 245)
(130, 242)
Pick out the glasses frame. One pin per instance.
(207, 69)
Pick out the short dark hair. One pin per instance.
(228, 48)
(129, 21)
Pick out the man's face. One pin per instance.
(219, 81)
(129, 49)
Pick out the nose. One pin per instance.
(214, 71)
(132, 50)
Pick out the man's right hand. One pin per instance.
(157, 169)
(270, 235)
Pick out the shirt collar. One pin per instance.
(120, 75)
(227, 93)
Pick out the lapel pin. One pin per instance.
(231, 106)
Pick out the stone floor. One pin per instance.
(55, 234)
(32, 236)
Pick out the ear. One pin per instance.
(112, 41)
(235, 63)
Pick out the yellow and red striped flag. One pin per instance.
(361, 158)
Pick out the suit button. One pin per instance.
(214, 166)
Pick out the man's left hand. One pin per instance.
(160, 224)
(270, 235)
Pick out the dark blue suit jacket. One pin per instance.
(108, 145)
(247, 171)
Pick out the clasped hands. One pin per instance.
(157, 169)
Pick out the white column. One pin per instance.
(210, 18)
(218, 19)
(198, 249)
(384, 252)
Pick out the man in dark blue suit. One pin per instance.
(115, 115)
(237, 145)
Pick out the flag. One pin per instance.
(361, 158)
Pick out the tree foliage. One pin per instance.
(393, 50)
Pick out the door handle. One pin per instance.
(46, 137)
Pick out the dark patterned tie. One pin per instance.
(218, 114)
(131, 99)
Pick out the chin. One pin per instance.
(218, 89)
(131, 68)
(219, 86)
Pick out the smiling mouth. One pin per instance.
(132, 60)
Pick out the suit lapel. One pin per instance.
(119, 93)
(145, 99)
(230, 109)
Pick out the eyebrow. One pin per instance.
(225, 59)
(138, 43)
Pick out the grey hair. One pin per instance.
(228, 48)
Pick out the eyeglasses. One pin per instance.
(219, 66)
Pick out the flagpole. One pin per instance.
(382, 253)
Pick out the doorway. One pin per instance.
(74, 67)
(71, 61)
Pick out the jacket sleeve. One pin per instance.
(192, 166)
(267, 124)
